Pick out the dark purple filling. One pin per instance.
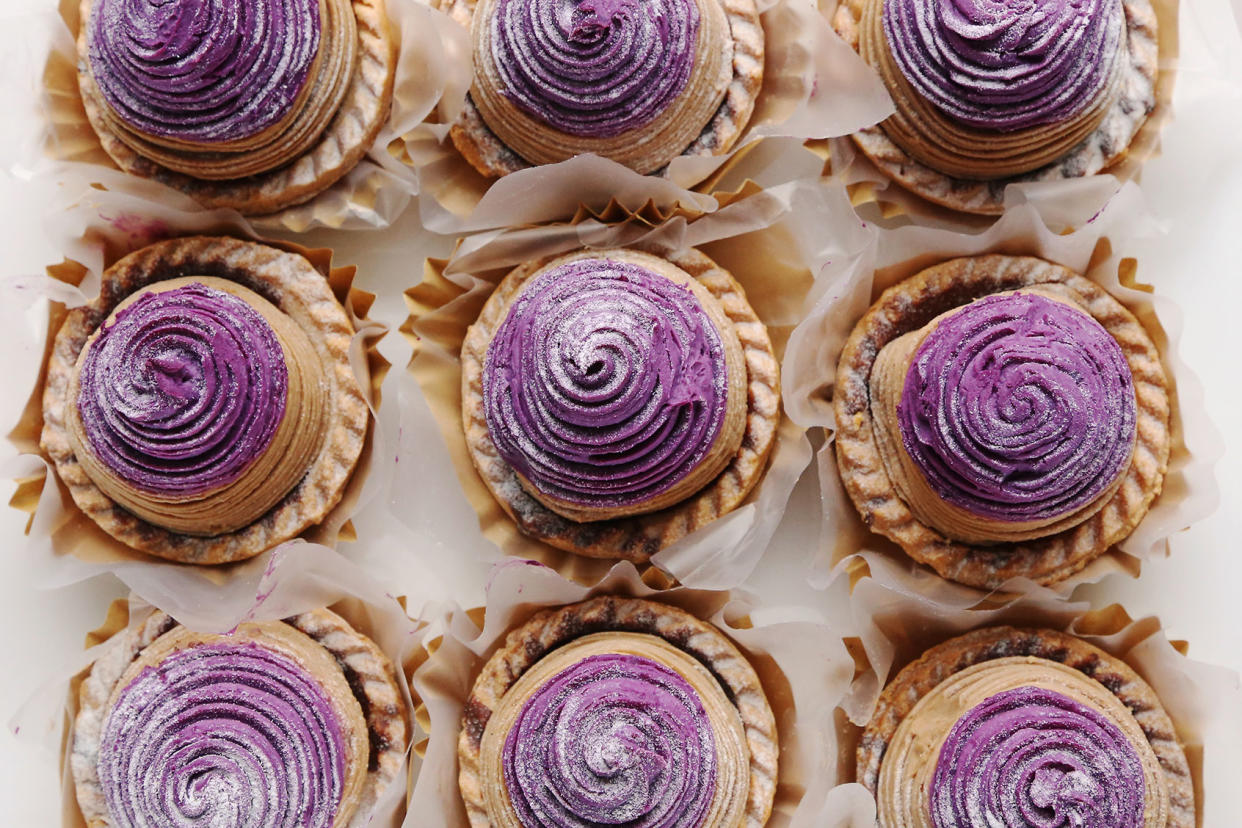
(183, 390)
(1031, 757)
(203, 71)
(1006, 64)
(1019, 408)
(613, 740)
(222, 734)
(606, 383)
(594, 68)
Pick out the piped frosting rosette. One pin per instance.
(296, 723)
(620, 712)
(204, 408)
(636, 81)
(227, 93)
(611, 386)
(1000, 91)
(999, 417)
(1009, 727)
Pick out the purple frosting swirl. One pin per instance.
(203, 71)
(1018, 408)
(183, 390)
(613, 740)
(222, 734)
(594, 68)
(1032, 757)
(1006, 64)
(606, 384)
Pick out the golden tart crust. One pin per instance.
(292, 284)
(908, 306)
(638, 537)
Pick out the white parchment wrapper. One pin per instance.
(814, 86)
(804, 667)
(896, 624)
(370, 196)
(294, 581)
(93, 227)
(847, 287)
(768, 241)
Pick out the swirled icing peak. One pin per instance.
(223, 734)
(183, 390)
(1031, 756)
(203, 71)
(615, 739)
(595, 68)
(1018, 407)
(606, 384)
(1006, 64)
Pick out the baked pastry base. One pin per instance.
(292, 284)
(493, 158)
(917, 679)
(550, 629)
(639, 537)
(348, 138)
(911, 304)
(1103, 148)
(368, 671)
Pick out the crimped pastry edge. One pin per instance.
(367, 670)
(986, 198)
(639, 537)
(491, 157)
(550, 628)
(936, 664)
(288, 281)
(915, 301)
(349, 136)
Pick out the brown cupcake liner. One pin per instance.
(895, 625)
(849, 287)
(369, 195)
(801, 667)
(1070, 202)
(449, 300)
(814, 86)
(295, 582)
(63, 542)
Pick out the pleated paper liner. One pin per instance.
(848, 287)
(896, 625)
(297, 581)
(63, 543)
(1069, 202)
(814, 86)
(802, 665)
(760, 239)
(371, 195)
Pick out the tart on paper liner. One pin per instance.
(364, 635)
(1059, 561)
(347, 178)
(448, 302)
(880, 171)
(62, 527)
(795, 102)
(906, 646)
(535, 620)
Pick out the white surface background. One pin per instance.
(1196, 186)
